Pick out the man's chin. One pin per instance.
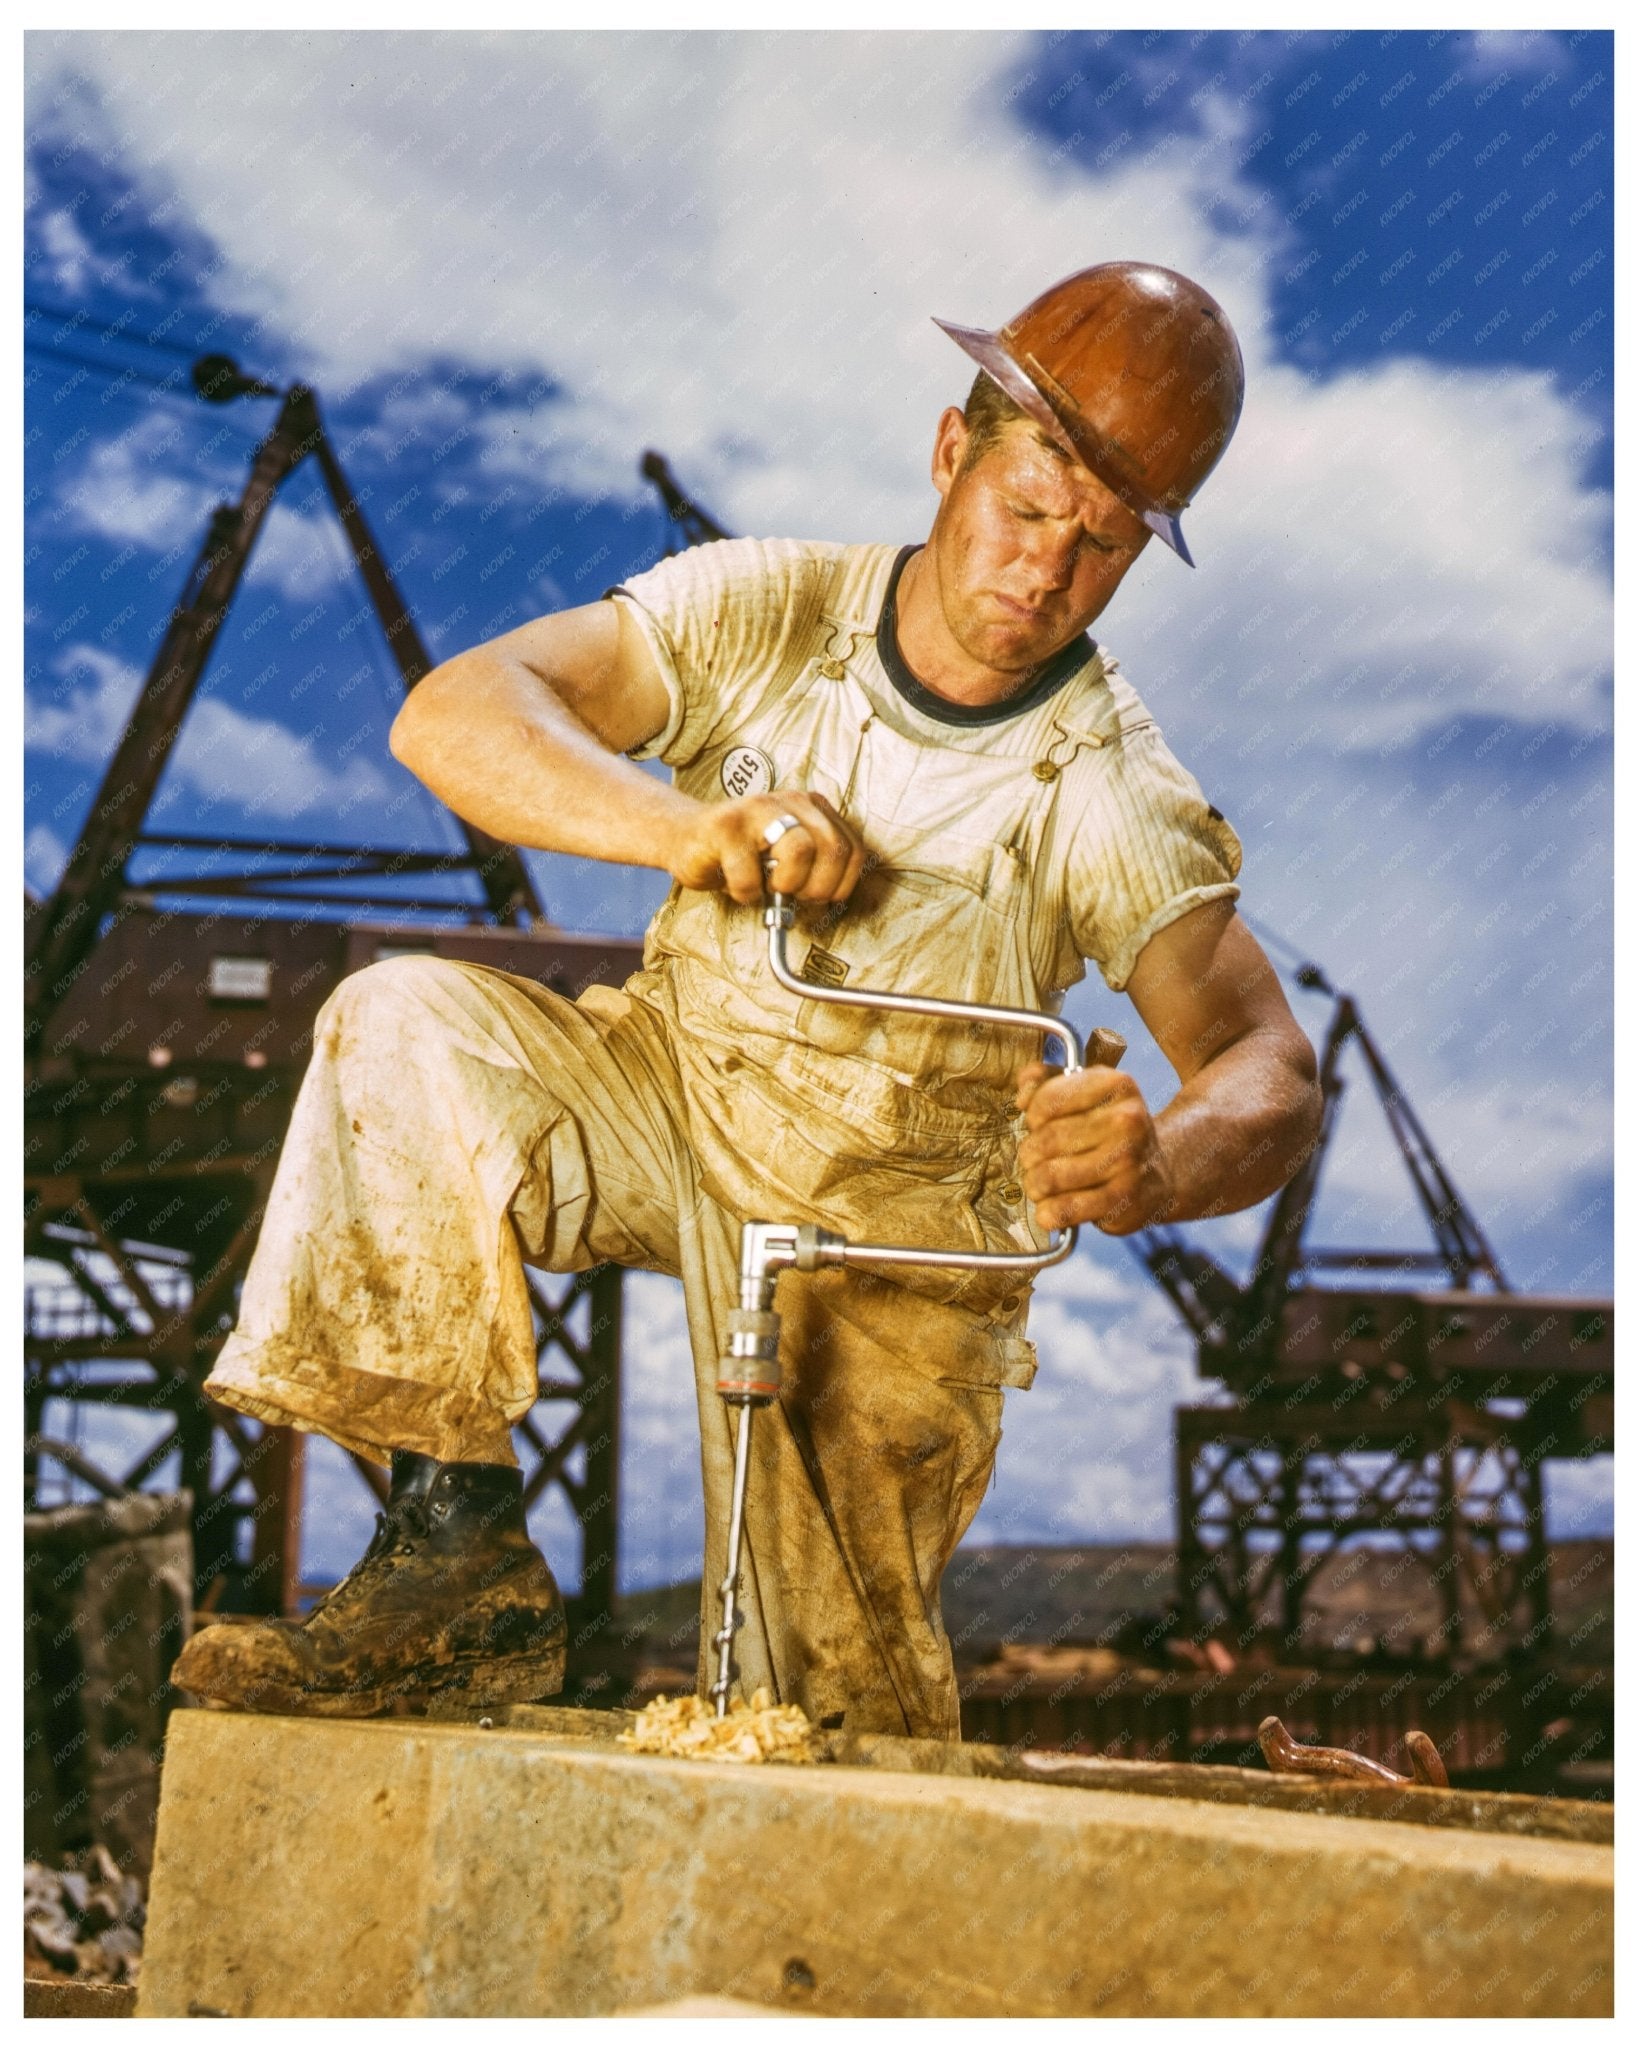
(1018, 649)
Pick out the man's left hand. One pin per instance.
(1093, 1154)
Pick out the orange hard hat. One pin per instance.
(1135, 371)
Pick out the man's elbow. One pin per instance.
(400, 741)
(407, 739)
(1293, 1106)
(1307, 1111)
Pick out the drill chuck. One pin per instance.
(748, 1369)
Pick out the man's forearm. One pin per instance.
(526, 738)
(1239, 1128)
(500, 747)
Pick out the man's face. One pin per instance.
(1028, 547)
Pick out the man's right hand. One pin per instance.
(524, 737)
(722, 846)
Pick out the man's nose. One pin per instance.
(1050, 557)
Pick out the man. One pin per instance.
(926, 751)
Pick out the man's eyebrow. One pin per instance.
(1045, 440)
(1108, 526)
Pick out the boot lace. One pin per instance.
(397, 1528)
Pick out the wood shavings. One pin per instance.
(760, 1733)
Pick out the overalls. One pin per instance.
(456, 1122)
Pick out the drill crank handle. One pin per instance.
(779, 916)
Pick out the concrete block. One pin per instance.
(412, 1868)
(65, 1998)
(705, 2009)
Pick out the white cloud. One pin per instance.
(64, 257)
(134, 489)
(222, 754)
(124, 492)
(265, 768)
(68, 254)
(1580, 1497)
(85, 726)
(1389, 550)
(662, 1513)
(299, 554)
(1494, 53)
(714, 251)
(44, 857)
(1085, 1453)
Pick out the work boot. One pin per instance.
(451, 1597)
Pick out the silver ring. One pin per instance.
(777, 830)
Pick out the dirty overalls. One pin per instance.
(456, 1122)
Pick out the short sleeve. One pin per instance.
(720, 621)
(1147, 849)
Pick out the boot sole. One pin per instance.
(484, 1682)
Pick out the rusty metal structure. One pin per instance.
(689, 522)
(172, 983)
(1374, 1407)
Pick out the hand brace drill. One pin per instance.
(748, 1374)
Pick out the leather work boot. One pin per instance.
(451, 1596)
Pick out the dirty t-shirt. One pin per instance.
(1008, 850)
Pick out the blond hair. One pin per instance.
(988, 412)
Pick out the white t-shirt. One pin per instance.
(1005, 852)
(728, 624)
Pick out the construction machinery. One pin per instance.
(172, 983)
(1374, 1410)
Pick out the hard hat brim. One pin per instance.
(991, 354)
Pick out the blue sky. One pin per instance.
(508, 264)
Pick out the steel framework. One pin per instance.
(1410, 1417)
(164, 1044)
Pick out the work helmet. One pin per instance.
(1135, 371)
